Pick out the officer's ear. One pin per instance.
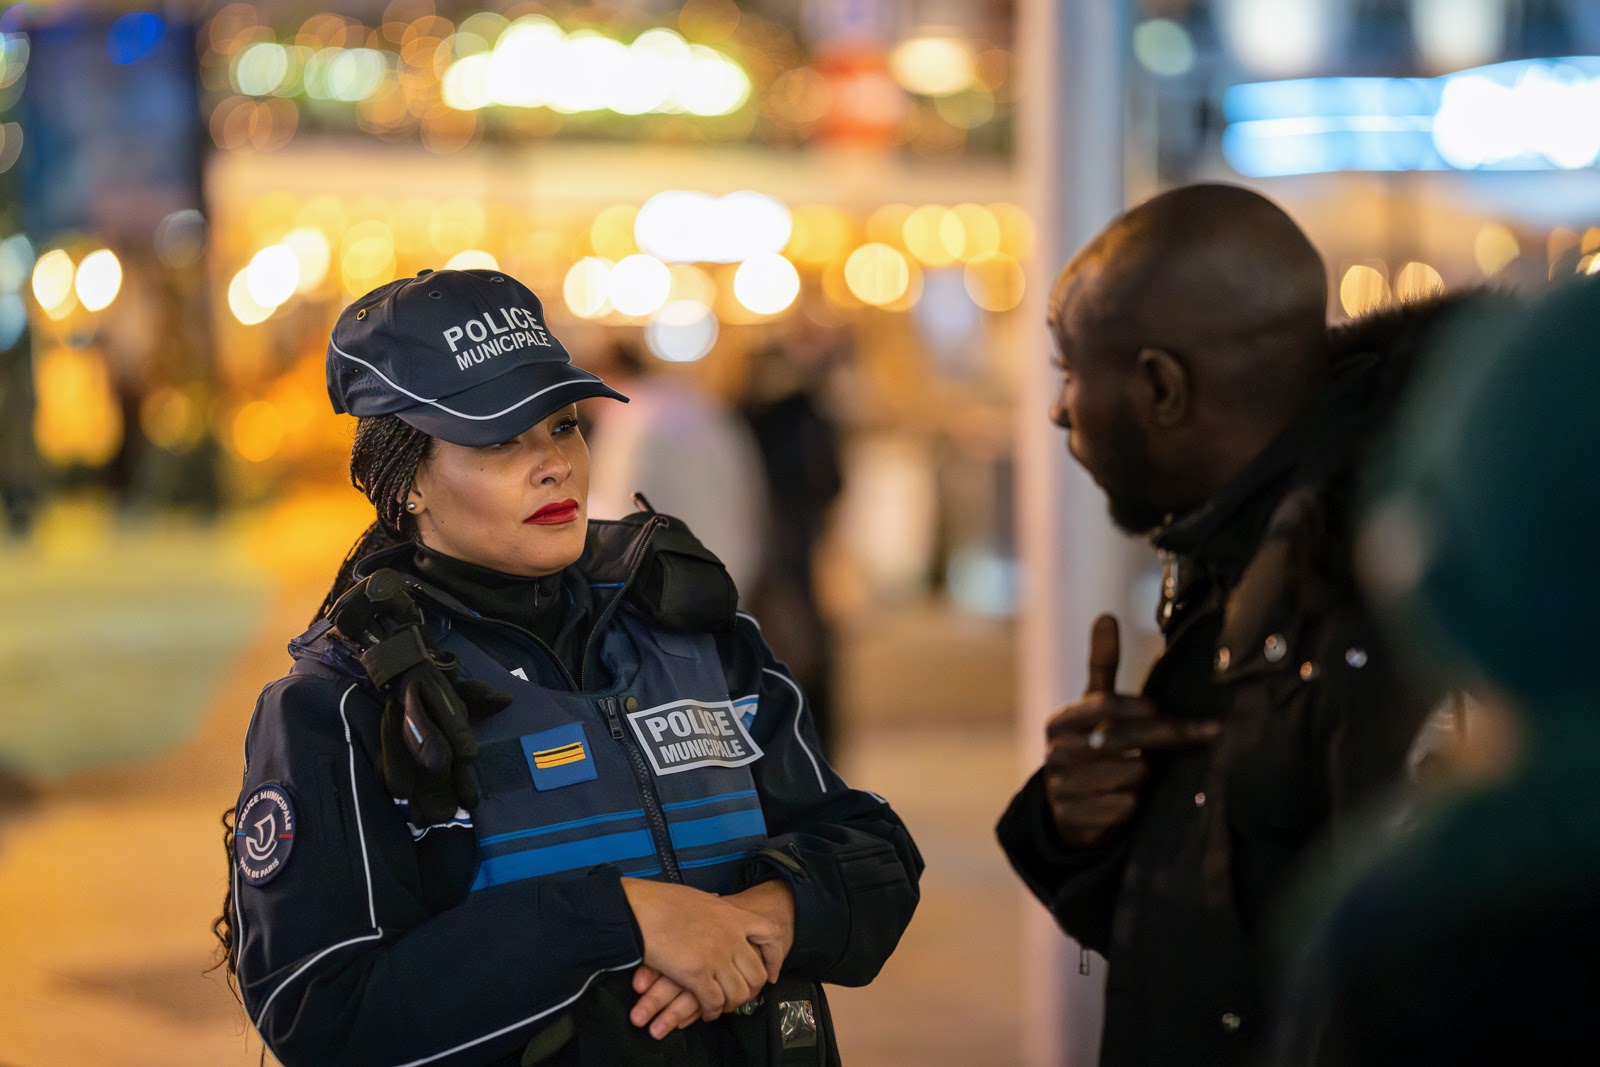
(1160, 388)
(414, 499)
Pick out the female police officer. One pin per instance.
(532, 791)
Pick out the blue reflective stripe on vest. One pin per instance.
(552, 859)
(680, 805)
(565, 823)
(636, 813)
(712, 861)
(718, 828)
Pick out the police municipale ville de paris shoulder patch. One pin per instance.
(264, 833)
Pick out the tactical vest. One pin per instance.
(651, 774)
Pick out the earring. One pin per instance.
(411, 505)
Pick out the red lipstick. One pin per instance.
(558, 514)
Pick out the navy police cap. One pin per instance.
(462, 355)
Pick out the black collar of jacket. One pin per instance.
(668, 574)
(1374, 359)
(653, 559)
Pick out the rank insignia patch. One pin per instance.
(559, 757)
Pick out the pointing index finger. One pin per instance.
(1105, 652)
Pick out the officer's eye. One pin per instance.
(566, 426)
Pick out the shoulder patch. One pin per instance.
(264, 833)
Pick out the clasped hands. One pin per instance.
(704, 954)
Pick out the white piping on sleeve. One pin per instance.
(298, 971)
(355, 802)
(366, 867)
(377, 932)
(800, 704)
(753, 620)
(524, 1022)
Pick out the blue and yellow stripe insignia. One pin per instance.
(560, 757)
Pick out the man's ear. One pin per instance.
(1160, 388)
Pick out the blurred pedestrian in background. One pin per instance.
(1202, 390)
(799, 446)
(20, 474)
(1471, 937)
(532, 791)
(685, 453)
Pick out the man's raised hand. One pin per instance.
(1094, 761)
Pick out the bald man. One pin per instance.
(1202, 390)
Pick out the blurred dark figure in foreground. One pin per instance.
(1472, 937)
(1203, 392)
(799, 445)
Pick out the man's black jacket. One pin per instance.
(1266, 631)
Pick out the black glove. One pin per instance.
(428, 745)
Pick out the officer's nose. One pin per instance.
(553, 468)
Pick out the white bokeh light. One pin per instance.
(261, 68)
(1454, 34)
(16, 262)
(356, 73)
(99, 279)
(588, 66)
(52, 280)
(313, 255)
(472, 259)
(245, 307)
(1163, 47)
(680, 226)
(639, 285)
(1281, 37)
(934, 64)
(655, 61)
(466, 84)
(273, 275)
(525, 63)
(682, 331)
(710, 83)
(766, 284)
(586, 285)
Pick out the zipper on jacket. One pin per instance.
(653, 813)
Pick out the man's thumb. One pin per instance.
(1105, 651)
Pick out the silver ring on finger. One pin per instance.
(1097, 737)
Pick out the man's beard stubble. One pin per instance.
(1127, 477)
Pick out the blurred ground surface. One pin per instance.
(129, 662)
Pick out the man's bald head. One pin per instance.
(1192, 331)
(1195, 268)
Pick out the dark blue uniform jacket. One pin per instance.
(378, 941)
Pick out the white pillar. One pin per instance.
(1071, 54)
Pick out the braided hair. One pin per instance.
(384, 458)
